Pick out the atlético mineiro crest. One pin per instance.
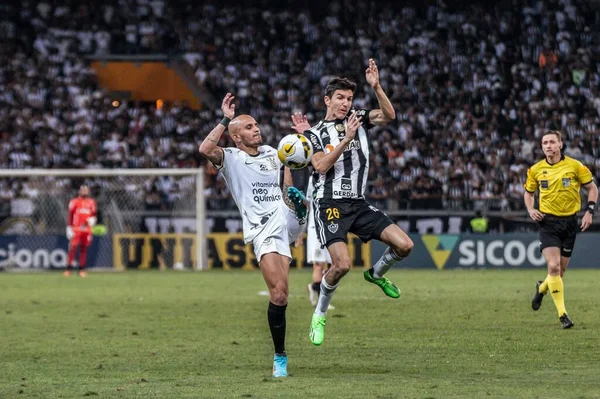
(333, 228)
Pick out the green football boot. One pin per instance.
(386, 285)
(317, 329)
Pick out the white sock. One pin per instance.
(385, 263)
(325, 297)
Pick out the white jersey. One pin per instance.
(254, 182)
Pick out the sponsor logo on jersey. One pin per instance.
(270, 166)
(346, 184)
(354, 145)
(267, 198)
(314, 139)
(345, 194)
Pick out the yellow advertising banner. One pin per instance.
(224, 251)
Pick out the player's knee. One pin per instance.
(553, 267)
(342, 266)
(405, 247)
(279, 295)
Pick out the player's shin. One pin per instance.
(82, 257)
(383, 265)
(556, 288)
(71, 256)
(277, 325)
(325, 297)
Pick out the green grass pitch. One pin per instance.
(468, 334)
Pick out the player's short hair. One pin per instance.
(554, 132)
(339, 84)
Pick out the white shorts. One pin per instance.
(278, 234)
(314, 252)
(265, 245)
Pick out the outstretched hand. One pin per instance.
(228, 107)
(372, 74)
(300, 123)
(352, 126)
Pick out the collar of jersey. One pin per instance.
(334, 120)
(562, 158)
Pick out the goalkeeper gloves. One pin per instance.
(70, 233)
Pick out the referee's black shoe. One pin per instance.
(566, 321)
(536, 301)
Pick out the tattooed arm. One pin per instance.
(287, 182)
(209, 148)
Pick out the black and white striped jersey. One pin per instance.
(347, 178)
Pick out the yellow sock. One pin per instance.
(544, 286)
(556, 288)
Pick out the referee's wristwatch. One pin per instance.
(591, 205)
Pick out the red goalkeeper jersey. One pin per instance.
(80, 210)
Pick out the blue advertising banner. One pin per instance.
(49, 252)
(518, 250)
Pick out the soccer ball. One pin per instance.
(295, 151)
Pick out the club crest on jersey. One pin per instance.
(340, 127)
(272, 162)
(566, 182)
(333, 228)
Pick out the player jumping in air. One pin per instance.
(317, 256)
(82, 217)
(558, 179)
(341, 167)
(253, 174)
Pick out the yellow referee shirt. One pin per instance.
(559, 185)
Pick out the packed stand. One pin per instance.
(479, 83)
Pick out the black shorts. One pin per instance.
(334, 219)
(560, 232)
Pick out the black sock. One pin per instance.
(276, 316)
(371, 271)
(316, 286)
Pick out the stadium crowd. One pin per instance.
(473, 86)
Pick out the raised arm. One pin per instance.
(209, 148)
(386, 113)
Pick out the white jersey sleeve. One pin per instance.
(254, 182)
